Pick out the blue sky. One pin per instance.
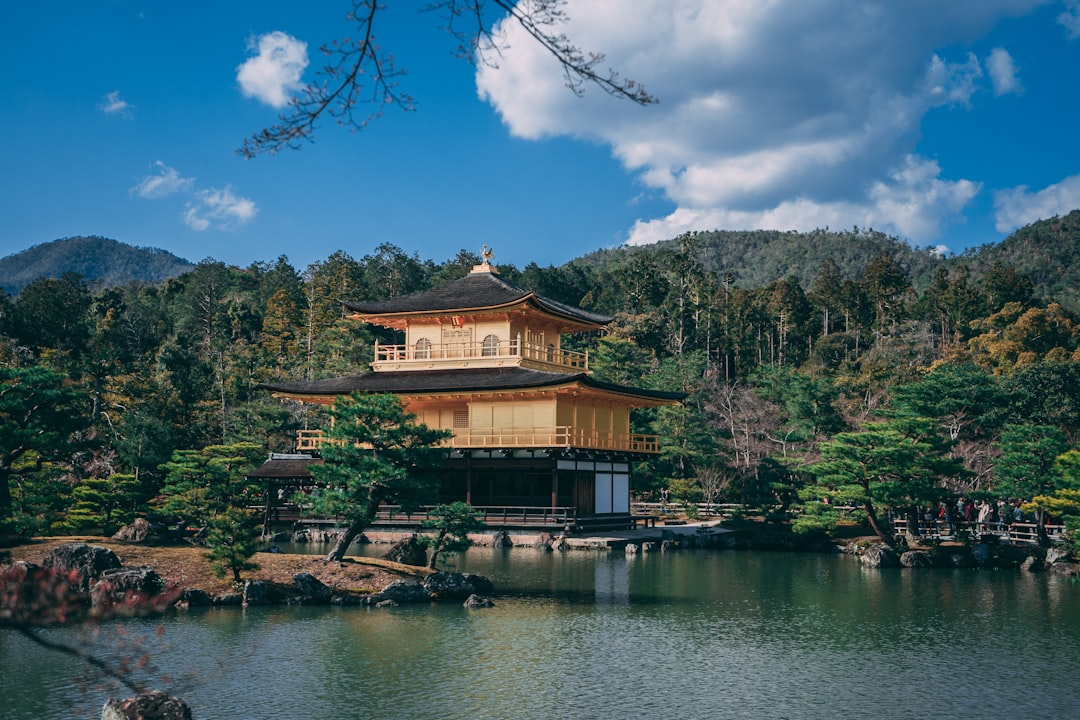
(947, 124)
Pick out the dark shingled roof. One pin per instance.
(473, 379)
(279, 468)
(475, 291)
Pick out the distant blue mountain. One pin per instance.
(100, 261)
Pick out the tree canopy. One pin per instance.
(376, 453)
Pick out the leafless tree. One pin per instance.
(713, 483)
(359, 72)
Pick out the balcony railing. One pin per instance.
(478, 354)
(508, 438)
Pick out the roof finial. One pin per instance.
(485, 266)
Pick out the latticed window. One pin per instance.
(491, 346)
(423, 349)
(461, 418)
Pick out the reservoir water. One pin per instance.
(598, 636)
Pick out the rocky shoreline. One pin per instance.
(1057, 560)
(281, 580)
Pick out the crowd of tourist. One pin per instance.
(978, 516)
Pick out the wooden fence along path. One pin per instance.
(1017, 533)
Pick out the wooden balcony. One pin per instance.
(505, 353)
(510, 438)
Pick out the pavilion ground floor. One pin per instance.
(539, 489)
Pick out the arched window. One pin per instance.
(423, 349)
(490, 346)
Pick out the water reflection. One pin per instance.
(612, 583)
(598, 635)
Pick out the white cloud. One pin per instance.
(1018, 206)
(1070, 19)
(220, 209)
(953, 83)
(112, 104)
(205, 208)
(167, 182)
(912, 202)
(1003, 72)
(773, 114)
(275, 71)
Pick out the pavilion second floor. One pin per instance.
(560, 437)
(502, 408)
(489, 352)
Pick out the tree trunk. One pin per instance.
(337, 552)
(875, 524)
(913, 530)
(268, 510)
(436, 549)
(1041, 538)
(5, 493)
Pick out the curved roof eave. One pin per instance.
(473, 293)
(477, 380)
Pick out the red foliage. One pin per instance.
(32, 596)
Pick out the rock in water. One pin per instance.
(154, 705)
(256, 592)
(916, 559)
(404, 592)
(456, 586)
(880, 555)
(312, 587)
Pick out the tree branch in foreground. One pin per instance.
(360, 72)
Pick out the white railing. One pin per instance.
(481, 350)
(561, 436)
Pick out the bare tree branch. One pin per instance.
(360, 72)
(118, 675)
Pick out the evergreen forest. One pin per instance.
(819, 369)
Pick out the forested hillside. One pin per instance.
(99, 261)
(1047, 252)
(752, 258)
(896, 380)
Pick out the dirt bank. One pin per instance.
(188, 566)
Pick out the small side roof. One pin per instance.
(286, 468)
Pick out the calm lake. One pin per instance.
(693, 634)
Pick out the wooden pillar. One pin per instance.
(268, 508)
(554, 484)
(468, 477)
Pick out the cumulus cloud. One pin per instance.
(205, 208)
(1003, 72)
(219, 209)
(1019, 206)
(274, 72)
(166, 182)
(112, 104)
(785, 115)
